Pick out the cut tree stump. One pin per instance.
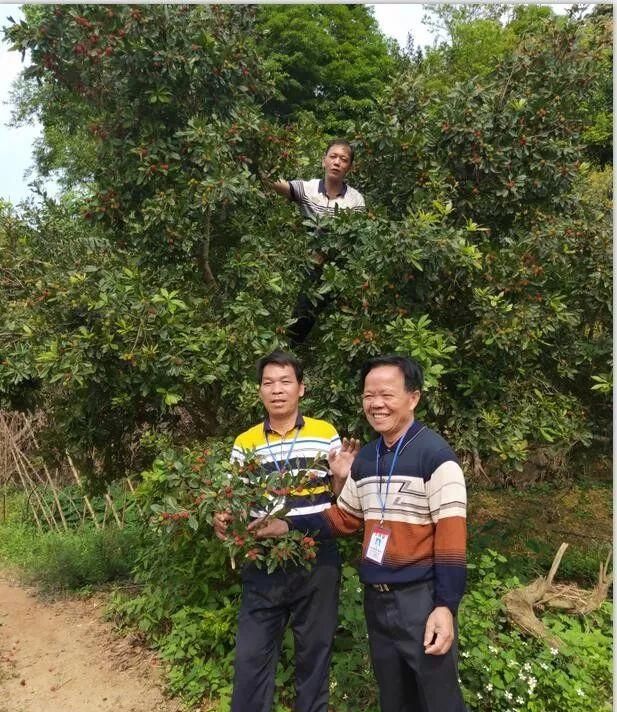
(542, 593)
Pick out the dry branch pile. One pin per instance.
(543, 593)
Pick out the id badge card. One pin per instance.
(377, 544)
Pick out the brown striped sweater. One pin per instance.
(424, 511)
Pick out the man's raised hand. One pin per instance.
(340, 462)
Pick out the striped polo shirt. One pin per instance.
(310, 195)
(424, 510)
(308, 440)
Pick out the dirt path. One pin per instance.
(62, 657)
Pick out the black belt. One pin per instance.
(387, 587)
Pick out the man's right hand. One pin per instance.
(279, 186)
(268, 528)
(221, 522)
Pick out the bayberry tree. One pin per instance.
(482, 253)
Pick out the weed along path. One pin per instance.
(62, 657)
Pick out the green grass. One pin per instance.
(66, 560)
(528, 525)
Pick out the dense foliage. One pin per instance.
(144, 299)
(332, 61)
(188, 490)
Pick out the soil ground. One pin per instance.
(62, 657)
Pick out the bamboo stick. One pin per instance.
(123, 505)
(56, 499)
(85, 496)
(139, 509)
(25, 486)
(26, 463)
(113, 510)
(71, 500)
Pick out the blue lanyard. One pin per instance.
(286, 462)
(382, 502)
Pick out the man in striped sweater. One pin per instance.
(308, 600)
(407, 490)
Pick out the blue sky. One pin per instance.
(395, 20)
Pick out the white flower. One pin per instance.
(579, 692)
(489, 687)
(554, 651)
(507, 695)
(519, 700)
(479, 695)
(333, 684)
(493, 649)
(345, 696)
(527, 667)
(544, 666)
(465, 654)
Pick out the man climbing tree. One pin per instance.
(318, 198)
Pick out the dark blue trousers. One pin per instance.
(409, 680)
(308, 601)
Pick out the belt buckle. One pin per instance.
(382, 587)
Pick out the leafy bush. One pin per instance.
(198, 650)
(187, 607)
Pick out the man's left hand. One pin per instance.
(268, 528)
(440, 626)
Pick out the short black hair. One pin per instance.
(411, 370)
(342, 142)
(281, 358)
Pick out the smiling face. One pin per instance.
(337, 162)
(280, 391)
(388, 406)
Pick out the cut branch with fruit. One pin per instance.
(243, 492)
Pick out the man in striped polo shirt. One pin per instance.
(308, 600)
(320, 197)
(325, 196)
(407, 490)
